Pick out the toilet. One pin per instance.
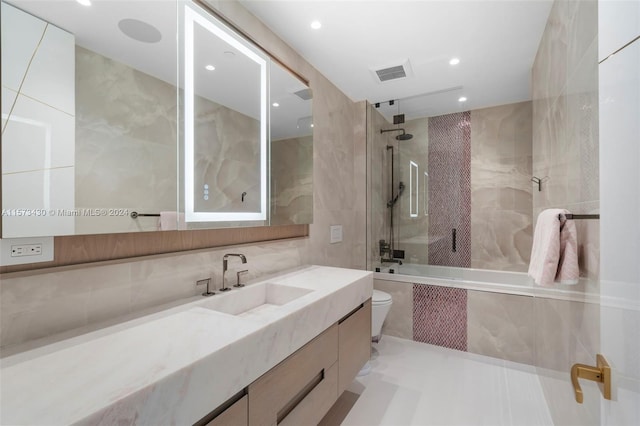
(380, 305)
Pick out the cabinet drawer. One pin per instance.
(316, 403)
(279, 391)
(354, 335)
(235, 415)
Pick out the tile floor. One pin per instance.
(415, 383)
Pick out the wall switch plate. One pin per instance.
(18, 251)
(336, 234)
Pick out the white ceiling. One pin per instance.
(496, 42)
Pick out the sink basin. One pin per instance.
(256, 298)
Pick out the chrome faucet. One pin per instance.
(225, 265)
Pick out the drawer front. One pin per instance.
(354, 345)
(278, 391)
(317, 403)
(236, 415)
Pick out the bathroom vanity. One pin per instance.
(279, 351)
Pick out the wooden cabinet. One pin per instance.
(302, 388)
(354, 344)
(283, 393)
(234, 412)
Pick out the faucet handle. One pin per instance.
(238, 278)
(206, 281)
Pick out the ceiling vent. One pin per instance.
(395, 72)
(391, 73)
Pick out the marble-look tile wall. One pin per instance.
(126, 157)
(37, 305)
(501, 202)
(339, 167)
(499, 325)
(227, 159)
(292, 181)
(565, 156)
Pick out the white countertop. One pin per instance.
(175, 366)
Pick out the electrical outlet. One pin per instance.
(16, 251)
(26, 250)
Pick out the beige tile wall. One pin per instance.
(501, 203)
(292, 181)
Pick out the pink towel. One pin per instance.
(171, 221)
(554, 256)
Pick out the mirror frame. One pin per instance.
(218, 28)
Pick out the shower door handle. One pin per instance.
(453, 240)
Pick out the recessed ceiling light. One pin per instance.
(84, 2)
(316, 25)
(210, 67)
(275, 104)
(462, 99)
(454, 61)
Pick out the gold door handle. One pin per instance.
(600, 373)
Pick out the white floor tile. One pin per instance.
(418, 384)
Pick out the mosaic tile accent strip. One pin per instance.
(440, 316)
(450, 189)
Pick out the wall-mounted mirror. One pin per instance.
(225, 123)
(92, 115)
(89, 116)
(291, 149)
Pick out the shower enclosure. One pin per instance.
(431, 188)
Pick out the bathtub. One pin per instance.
(516, 283)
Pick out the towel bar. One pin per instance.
(579, 216)
(135, 215)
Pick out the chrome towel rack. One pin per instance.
(135, 215)
(570, 216)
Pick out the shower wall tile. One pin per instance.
(440, 316)
(500, 326)
(399, 322)
(501, 190)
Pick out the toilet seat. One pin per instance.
(380, 298)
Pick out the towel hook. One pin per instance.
(244, 194)
(538, 182)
